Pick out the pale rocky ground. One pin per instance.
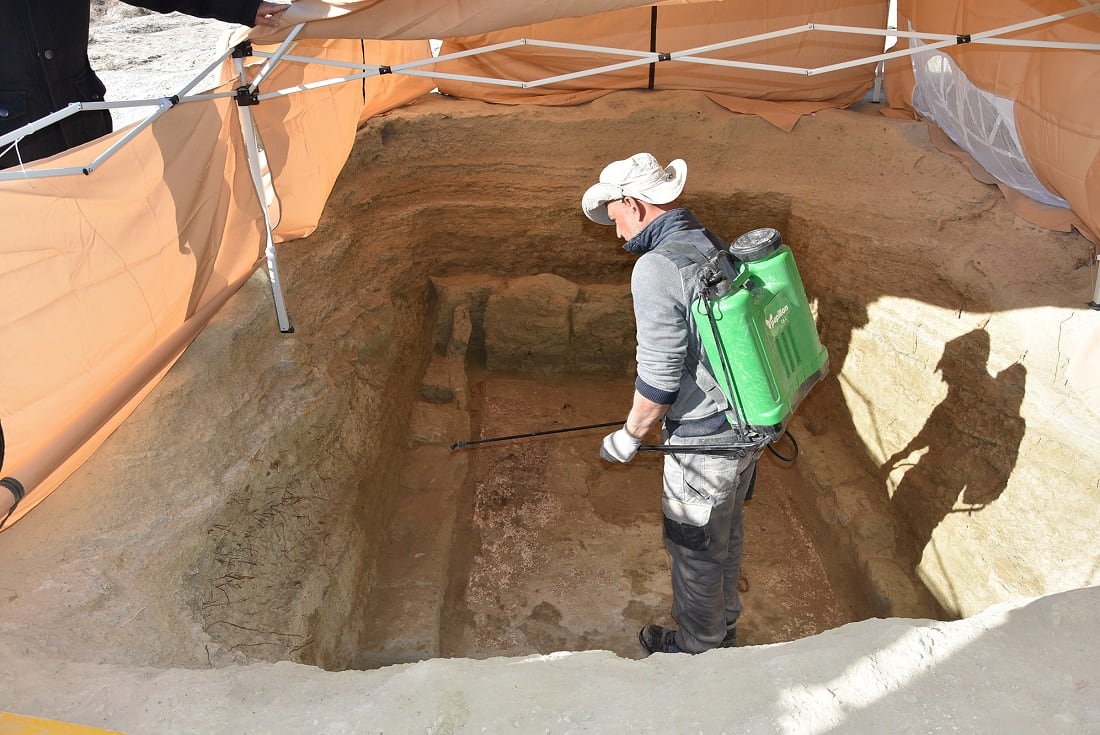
(108, 618)
(1011, 670)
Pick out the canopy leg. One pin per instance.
(252, 148)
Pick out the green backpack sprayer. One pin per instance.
(759, 334)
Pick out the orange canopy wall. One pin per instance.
(1056, 94)
(427, 19)
(307, 136)
(778, 97)
(107, 281)
(107, 278)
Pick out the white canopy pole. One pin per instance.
(252, 148)
(162, 104)
(319, 84)
(46, 173)
(246, 97)
(592, 72)
(205, 72)
(1061, 45)
(273, 60)
(954, 39)
(463, 54)
(980, 37)
(165, 106)
(938, 40)
(32, 127)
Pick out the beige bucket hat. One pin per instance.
(639, 176)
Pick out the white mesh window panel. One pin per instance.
(981, 123)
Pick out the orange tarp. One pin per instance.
(780, 98)
(106, 282)
(426, 18)
(1058, 123)
(109, 277)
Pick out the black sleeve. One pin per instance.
(231, 11)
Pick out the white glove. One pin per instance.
(619, 446)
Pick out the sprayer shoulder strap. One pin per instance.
(700, 252)
(684, 254)
(695, 250)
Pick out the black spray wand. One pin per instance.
(460, 444)
(732, 448)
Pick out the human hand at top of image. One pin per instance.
(268, 14)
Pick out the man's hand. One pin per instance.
(268, 13)
(619, 446)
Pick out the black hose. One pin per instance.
(794, 444)
(738, 448)
(13, 485)
(16, 488)
(460, 444)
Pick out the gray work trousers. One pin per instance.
(703, 500)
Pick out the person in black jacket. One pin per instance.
(44, 66)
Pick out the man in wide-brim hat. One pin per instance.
(703, 493)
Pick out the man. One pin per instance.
(44, 65)
(703, 493)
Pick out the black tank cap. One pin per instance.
(756, 244)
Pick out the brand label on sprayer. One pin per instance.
(773, 319)
(776, 320)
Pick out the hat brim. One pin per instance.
(595, 201)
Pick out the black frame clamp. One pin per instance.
(246, 97)
(664, 56)
(964, 38)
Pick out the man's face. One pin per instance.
(626, 215)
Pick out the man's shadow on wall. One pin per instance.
(972, 440)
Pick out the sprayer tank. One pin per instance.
(766, 329)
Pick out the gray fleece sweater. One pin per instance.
(671, 361)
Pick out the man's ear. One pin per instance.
(635, 208)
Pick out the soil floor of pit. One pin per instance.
(556, 550)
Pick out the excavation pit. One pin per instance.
(541, 546)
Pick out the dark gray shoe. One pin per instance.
(655, 639)
(730, 641)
